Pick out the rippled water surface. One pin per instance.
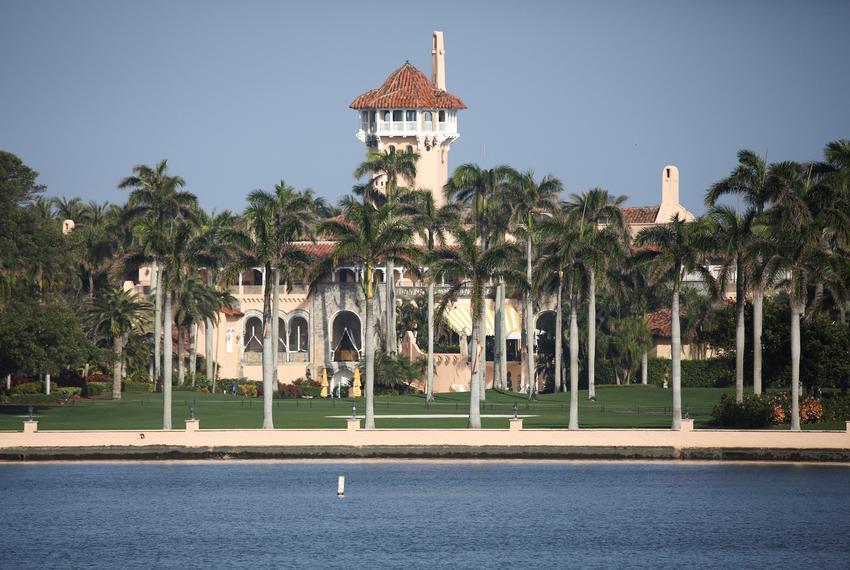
(424, 514)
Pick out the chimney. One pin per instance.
(670, 186)
(438, 62)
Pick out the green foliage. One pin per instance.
(96, 388)
(395, 373)
(33, 388)
(137, 387)
(836, 407)
(753, 413)
(709, 373)
(41, 338)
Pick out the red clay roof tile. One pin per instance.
(407, 88)
(641, 214)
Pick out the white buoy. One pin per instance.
(340, 488)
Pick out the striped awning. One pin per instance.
(459, 319)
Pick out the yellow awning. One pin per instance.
(459, 319)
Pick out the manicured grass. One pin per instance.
(615, 406)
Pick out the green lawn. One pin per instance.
(616, 406)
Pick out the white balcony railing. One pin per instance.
(410, 127)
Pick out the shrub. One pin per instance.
(753, 412)
(98, 378)
(69, 391)
(33, 388)
(811, 411)
(836, 407)
(248, 389)
(290, 391)
(708, 373)
(96, 388)
(137, 387)
(308, 387)
(70, 377)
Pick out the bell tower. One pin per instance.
(411, 113)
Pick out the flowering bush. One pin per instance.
(289, 391)
(753, 412)
(811, 411)
(248, 390)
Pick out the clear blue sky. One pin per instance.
(239, 95)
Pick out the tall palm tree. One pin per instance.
(478, 268)
(671, 251)
(276, 220)
(114, 315)
(431, 224)
(195, 302)
(592, 209)
(734, 238)
(751, 180)
(485, 193)
(391, 168)
(366, 236)
(530, 200)
(796, 250)
(157, 197)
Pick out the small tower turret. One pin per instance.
(410, 113)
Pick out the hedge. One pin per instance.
(33, 388)
(137, 387)
(96, 388)
(708, 373)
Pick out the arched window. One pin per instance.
(391, 149)
(385, 116)
(346, 339)
(346, 275)
(427, 121)
(252, 340)
(281, 338)
(299, 343)
(409, 149)
(379, 275)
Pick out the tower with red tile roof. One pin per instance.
(411, 113)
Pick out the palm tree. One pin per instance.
(795, 249)
(531, 199)
(594, 208)
(478, 268)
(276, 221)
(114, 315)
(195, 302)
(734, 236)
(485, 193)
(431, 224)
(671, 251)
(366, 236)
(750, 179)
(157, 198)
(391, 168)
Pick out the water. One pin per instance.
(423, 514)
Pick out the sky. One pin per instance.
(239, 95)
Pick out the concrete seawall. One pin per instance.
(352, 442)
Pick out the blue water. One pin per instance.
(424, 514)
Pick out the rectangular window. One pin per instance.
(398, 116)
(411, 115)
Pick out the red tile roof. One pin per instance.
(641, 214)
(407, 88)
(232, 312)
(319, 249)
(660, 323)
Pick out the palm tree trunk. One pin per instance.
(429, 387)
(156, 274)
(498, 332)
(91, 285)
(8, 382)
(118, 348)
(758, 304)
(181, 356)
(591, 337)
(275, 322)
(215, 363)
(208, 351)
(369, 349)
(573, 362)
(644, 368)
(268, 354)
(47, 384)
(166, 373)
(559, 334)
(389, 279)
(739, 348)
(529, 324)
(502, 340)
(482, 358)
(474, 390)
(193, 351)
(676, 357)
(796, 309)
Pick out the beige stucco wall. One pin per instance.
(192, 436)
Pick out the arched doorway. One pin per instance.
(544, 348)
(252, 340)
(346, 337)
(298, 342)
